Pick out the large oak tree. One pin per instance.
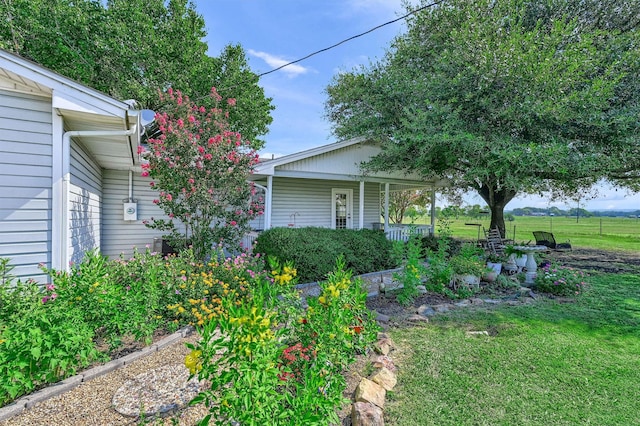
(503, 97)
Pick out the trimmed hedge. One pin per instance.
(314, 250)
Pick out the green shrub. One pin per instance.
(41, 340)
(314, 250)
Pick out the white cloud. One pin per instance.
(275, 62)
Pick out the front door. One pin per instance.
(342, 210)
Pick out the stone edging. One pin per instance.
(27, 401)
(370, 394)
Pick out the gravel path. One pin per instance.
(90, 403)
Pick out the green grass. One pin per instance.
(608, 233)
(542, 364)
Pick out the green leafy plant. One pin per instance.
(412, 272)
(560, 280)
(41, 339)
(265, 372)
(314, 250)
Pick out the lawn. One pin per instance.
(607, 233)
(542, 364)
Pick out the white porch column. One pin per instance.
(361, 206)
(267, 203)
(433, 210)
(386, 207)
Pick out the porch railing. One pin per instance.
(403, 232)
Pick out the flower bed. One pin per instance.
(277, 354)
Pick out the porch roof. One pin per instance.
(340, 161)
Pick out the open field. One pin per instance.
(605, 233)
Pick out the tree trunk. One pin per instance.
(496, 199)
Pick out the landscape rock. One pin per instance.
(417, 318)
(366, 414)
(426, 310)
(381, 317)
(421, 289)
(385, 378)
(383, 346)
(382, 361)
(368, 391)
(442, 308)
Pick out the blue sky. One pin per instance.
(274, 32)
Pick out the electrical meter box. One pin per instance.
(130, 211)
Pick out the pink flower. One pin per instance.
(191, 181)
(169, 197)
(234, 223)
(140, 149)
(145, 173)
(192, 119)
(231, 102)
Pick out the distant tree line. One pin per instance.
(555, 211)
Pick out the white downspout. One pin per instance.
(66, 181)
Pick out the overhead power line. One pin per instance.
(352, 37)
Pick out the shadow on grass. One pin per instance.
(610, 307)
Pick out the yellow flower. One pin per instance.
(322, 300)
(193, 362)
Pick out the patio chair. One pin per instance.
(544, 238)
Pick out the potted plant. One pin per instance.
(516, 259)
(490, 275)
(494, 262)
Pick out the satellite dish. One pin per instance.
(147, 116)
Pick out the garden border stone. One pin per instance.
(55, 389)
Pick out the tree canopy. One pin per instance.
(503, 98)
(129, 49)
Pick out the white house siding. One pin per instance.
(85, 197)
(25, 182)
(341, 161)
(307, 202)
(120, 236)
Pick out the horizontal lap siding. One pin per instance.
(311, 200)
(120, 236)
(85, 198)
(25, 182)
(371, 204)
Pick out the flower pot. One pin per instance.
(490, 276)
(496, 266)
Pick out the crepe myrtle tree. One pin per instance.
(199, 168)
